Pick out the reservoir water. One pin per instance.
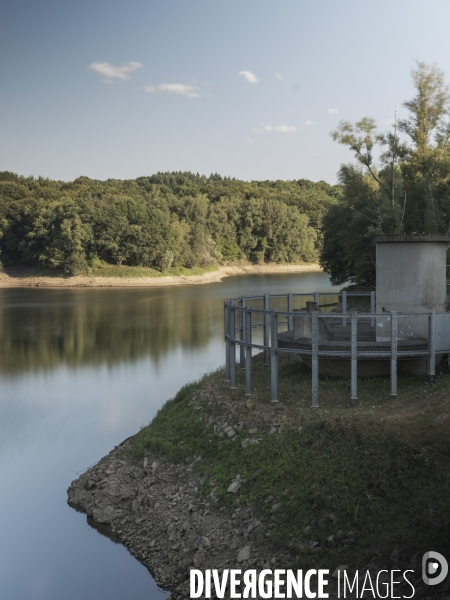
(81, 370)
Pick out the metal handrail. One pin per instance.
(239, 332)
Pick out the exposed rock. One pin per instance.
(234, 487)
(106, 514)
(244, 554)
(163, 519)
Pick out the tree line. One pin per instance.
(167, 219)
(399, 182)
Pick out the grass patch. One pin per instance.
(28, 271)
(380, 472)
(130, 272)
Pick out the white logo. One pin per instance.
(434, 568)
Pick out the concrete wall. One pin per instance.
(410, 278)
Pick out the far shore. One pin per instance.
(85, 281)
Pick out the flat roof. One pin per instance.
(432, 237)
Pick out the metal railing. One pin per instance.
(291, 324)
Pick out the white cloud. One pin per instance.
(277, 128)
(278, 75)
(110, 72)
(248, 141)
(308, 123)
(333, 111)
(249, 76)
(174, 88)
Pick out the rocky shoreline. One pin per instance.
(160, 512)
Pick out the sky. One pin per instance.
(244, 88)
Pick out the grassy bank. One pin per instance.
(105, 270)
(350, 481)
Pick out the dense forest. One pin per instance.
(399, 183)
(167, 219)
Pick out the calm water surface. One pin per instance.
(81, 370)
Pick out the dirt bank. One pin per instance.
(11, 280)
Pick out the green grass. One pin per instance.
(382, 469)
(128, 272)
(27, 271)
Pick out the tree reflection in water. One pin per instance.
(42, 329)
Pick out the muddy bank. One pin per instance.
(84, 281)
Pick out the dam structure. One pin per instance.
(403, 326)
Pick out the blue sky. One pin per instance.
(248, 88)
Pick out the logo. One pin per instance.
(434, 568)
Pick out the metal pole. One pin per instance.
(227, 340)
(432, 347)
(290, 319)
(242, 325)
(354, 359)
(248, 353)
(232, 348)
(290, 310)
(266, 330)
(274, 357)
(393, 353)
(315, 360)
(317, 299)
(372, 308)
(344, 308)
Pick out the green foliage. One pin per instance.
(174, 422)
(166, 220)
(406, 191)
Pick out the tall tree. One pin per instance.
(410, 187)
(428, 128)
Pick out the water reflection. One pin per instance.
(42, 329)
(93, 327)
(81, 370)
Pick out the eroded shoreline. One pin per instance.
(163, 514)
(159, 511)
(82, 281)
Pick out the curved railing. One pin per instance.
(294, 324)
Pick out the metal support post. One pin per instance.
(274, 357)
(317, 299)
(372, 308)
(315, 359)
(290, 311)
(344, 308)
(266, 330)
(227, 340)
(242, 326)
(232, 348)
(393, 353)
(354, 359)
(290, 318)
(248, 353)
(432, 347)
